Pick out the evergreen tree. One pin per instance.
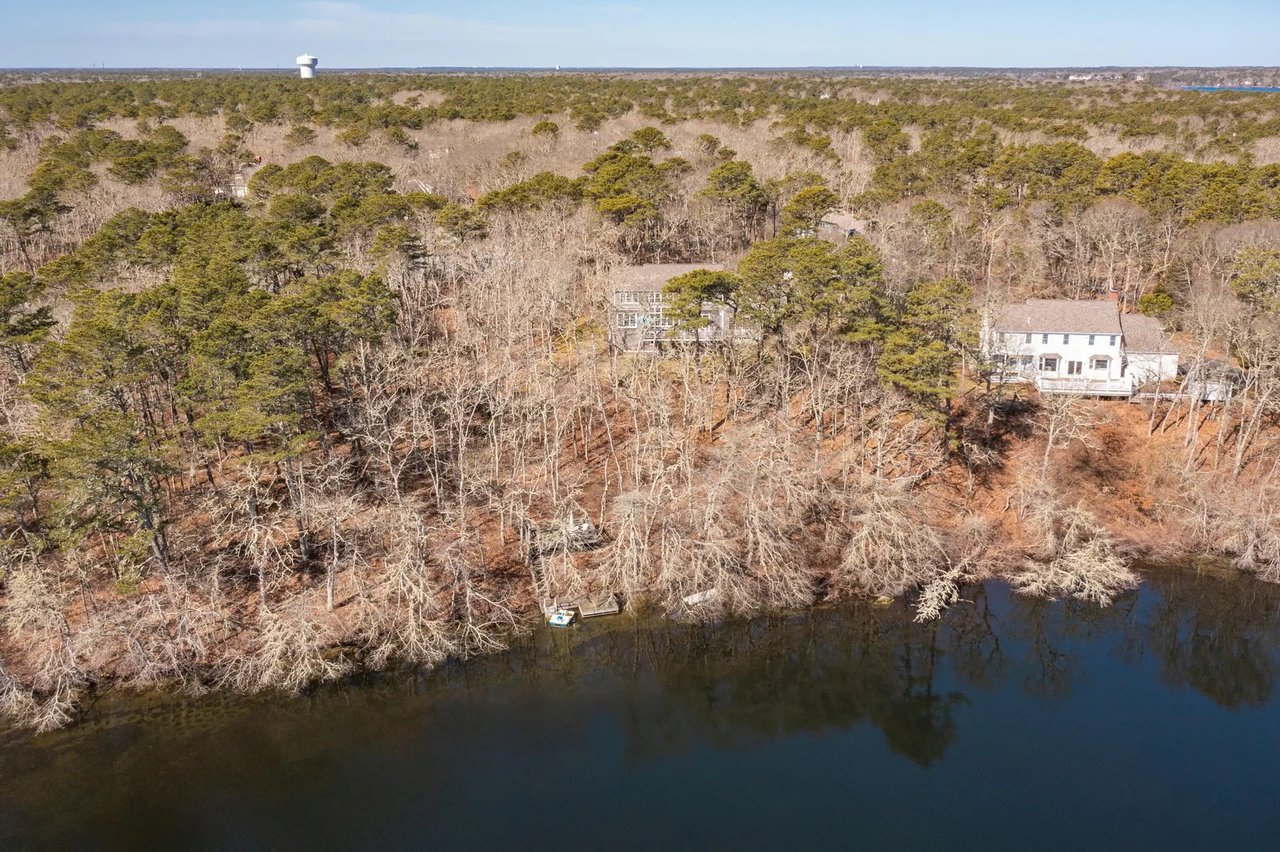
(21, 325)
(807, 208)
(923, 353)
(733, 185)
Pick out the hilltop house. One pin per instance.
(638, 320)
(839, 227)
(1074, 346)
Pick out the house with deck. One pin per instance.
(1077, 346)
(639, 321)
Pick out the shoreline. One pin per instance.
(646, 617)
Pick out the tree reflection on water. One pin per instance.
(633, 694)
(832, 669)
(825, 669)
(1217, 637)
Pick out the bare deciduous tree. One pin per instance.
(1065, 418)
(34, 612)
(291, 652)
(1075, 557)
(892, 549)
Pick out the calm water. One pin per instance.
(1011, 725)
(1231, 88)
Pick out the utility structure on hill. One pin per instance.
(307, 65)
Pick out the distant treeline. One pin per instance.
(1213, 123)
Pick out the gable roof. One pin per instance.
(1145, 336)
(845, 222)
(653, 276)
(1061, 316)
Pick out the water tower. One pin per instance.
(307, 65)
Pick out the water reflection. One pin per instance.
(636, 696)
(779, 677)
(1223, 645)
(831, 668)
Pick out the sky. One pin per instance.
(637, 33)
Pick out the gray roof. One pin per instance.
(1145, 336)
(845, 222)
(1061, 316)
(653, 276)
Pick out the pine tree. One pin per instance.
(922, 354)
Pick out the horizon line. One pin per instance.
(615, 68)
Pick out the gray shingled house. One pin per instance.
(840, 227)
(638, 319)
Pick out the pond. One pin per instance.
(1011, 724)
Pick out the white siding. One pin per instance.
(1099, 359)
(1153, 367)
(1098, 363)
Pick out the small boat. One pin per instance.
(560, 618)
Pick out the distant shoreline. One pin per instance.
(646, 69)
(1263, 89)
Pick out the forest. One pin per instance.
(309, 376)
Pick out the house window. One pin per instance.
(1074, 368)
(1091, 339)
(1099, 363)
(655, 298)
(1049, 363)
(1113, 340)
(1066, 338)
(628, 319)
(1028, 337)
(1044, 338)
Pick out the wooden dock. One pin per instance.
(603, 605)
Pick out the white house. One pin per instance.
(1151, 355)
(638, 319)
(1075, 346)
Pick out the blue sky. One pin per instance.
(652, 33)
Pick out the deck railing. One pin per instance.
(1084, 386)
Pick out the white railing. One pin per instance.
(1085, 386)
(1010, 375)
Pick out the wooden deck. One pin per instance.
(603, 605)
(1081, 386)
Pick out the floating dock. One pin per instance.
(603, 605)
